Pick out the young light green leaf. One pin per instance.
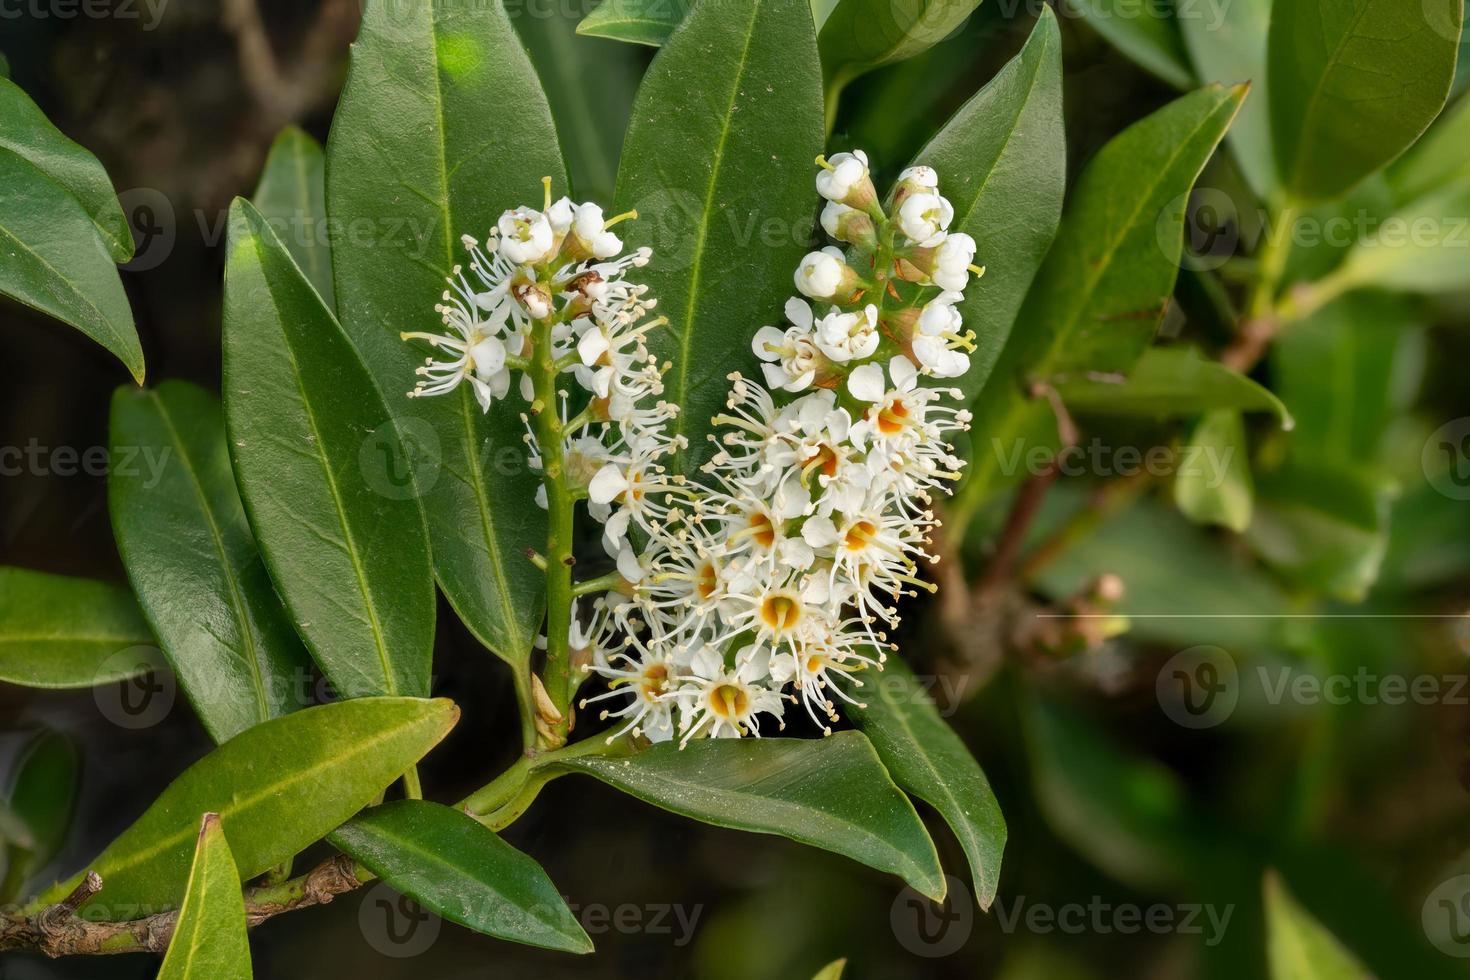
(57, 262)
(291, 196)
(1145, 31)
(1169, 382)
(1438, 160)
(1107, 280)
(42, 795)
(1298, 946)
(861, 35)
(453, 865)
(27, 133)
(57, 631)
(278, 787)
(210, 941)
(1424, 247)
(351, 558)
(1222, 495)
(191, 558)
(1003, 160)
(647, 22)
(832, 971)
(718, 164)
(1353, 84)
(1227, 41)
(831, 793)
(926, 758)
(443, 126)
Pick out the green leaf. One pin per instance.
(193, 563)
(1353, 84)
(1169, 382)
(57, 631)
(443, 126)
(55, 261)
(1424, 247)
(861, 35)
(453, 865)
(210, 940)
(1228, 42)
(351, 561)
(14, 830)
(635, 21)
(42, 795)
(1146, 31)
(832, 971)
(1298, 947)
(1226, 496)
(927, 759)
(27, 133)
(278, 787)
(1002, 159)
(291, 196)
(718, 164)
(1439, 159)
(831, 793)
(1105, 284)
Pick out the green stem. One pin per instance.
(412, 788)
(1275, 252)
(602, 583)
(526, 702)
(559, 509)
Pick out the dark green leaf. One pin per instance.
(210, 941)
(861, 35)
(1169, 382)
(443, 126)
(1222, 495)
(55, 260)
(927, 759)
(1002, 160)
(831, 793)
(69, 632)
(193, 563)
(1144, 30)
(291, 197)
(718, 163)
(635, 21)
(351, 560)
(42, 794)
(452, 864)
(278, 787)
(1228, 41)
(27, 133)
(1107, 280)
(1299, 947)
(1353, 84)
(1439, 159)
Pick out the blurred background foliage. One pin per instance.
(1354, 560)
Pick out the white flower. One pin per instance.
(865, 383)
(847, 337)
(589, 229)
(526, 237)
(822, 275)
(952, 262)
(725, 703)
(919, 177)
(792, 357)
(844, 177)
(925, 219)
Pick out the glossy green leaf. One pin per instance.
(831, 793)
(718, 164)
(1424, 247)
(291, 196)
(27, 133)
(193, 563)
(443, 126)
(55, 261)
(1439, 159)
(1228, 42)
(635, 21)
(1353, 84)
(453, 865)
(1298, 946)
(861, 35)
(1002, 160)
(210, 941)
(926, 758)
(1146, 31)
(1168, 382)
(57, 631)
(1224, 494)
(351, 560)
(1105, 284)
(278, 787)
(42, 795)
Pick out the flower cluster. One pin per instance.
(773, 577)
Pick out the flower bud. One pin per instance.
(848, 225)
(825, 276)
(914, 180)
(526, 236)
(844, 180)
